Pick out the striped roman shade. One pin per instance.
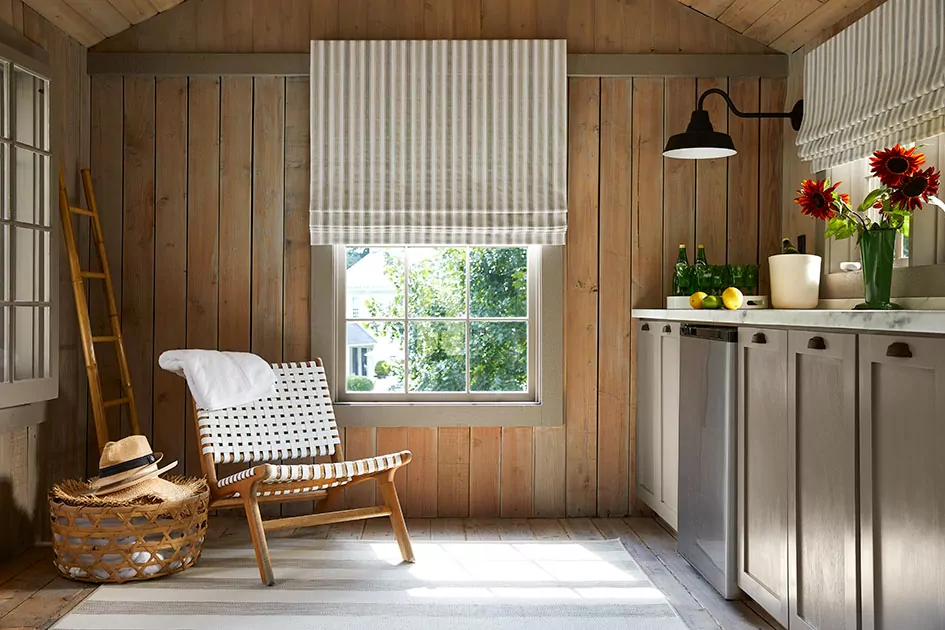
(439, 142)
(880, 81)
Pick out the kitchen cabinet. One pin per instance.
(657, 421)
(902, 473)
(822, 510)
(762, 505)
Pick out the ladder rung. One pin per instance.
(92, 274)
(75, 210)
(104, 339)
(115, 403)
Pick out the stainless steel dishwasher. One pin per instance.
(708, 371)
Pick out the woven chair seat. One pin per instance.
(327, 475)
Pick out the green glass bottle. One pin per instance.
(681, 273)
(701, 275)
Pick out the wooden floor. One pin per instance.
(32, 595)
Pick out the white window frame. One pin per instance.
(20, 53)
(542, 405)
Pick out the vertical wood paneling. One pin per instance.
(550, 471)
(137, 300)
(421, 473)
(646, 181)
(712, 183)
(581, 277)
(170, 259)
(770, 149)
(485, 453)
(246, 204)
(679, 176)
(236, 184)
(613, 373)
(452, 492)
(203, 220)
(107, 97)
(268, 208)
(297, 337)
(515, 483)
(743, 174)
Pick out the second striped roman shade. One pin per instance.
(439, 142)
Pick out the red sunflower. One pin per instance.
(816, 199)
(894, 165)
(916, 190)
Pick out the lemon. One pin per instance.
(732, 298)
(695, 300)
(711, 301)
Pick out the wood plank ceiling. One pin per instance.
(784, 25)
(91, 21)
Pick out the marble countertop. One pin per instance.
(906, 321)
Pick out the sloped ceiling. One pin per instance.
(91, 21)
(784, 25)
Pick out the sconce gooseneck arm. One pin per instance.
(735, 110)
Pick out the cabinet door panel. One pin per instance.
(648, 413)
(822, 481)
(902, 474)
(762, 469)
(669, 423)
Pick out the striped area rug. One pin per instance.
(330, 584)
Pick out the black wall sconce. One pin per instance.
(701, 141)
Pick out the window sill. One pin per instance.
(462, 414)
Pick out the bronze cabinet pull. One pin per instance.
(759, 338)
(899, 349)
(816, 343)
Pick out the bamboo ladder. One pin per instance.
(79, 275)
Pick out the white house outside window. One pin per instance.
(27, 327)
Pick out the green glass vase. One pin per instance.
(877, 250)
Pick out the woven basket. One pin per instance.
(124, 543)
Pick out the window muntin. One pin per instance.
(26, 293)
(440, 323)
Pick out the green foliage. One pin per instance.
(381, 369)
(840, 227)
(357, 383)
(436, 350)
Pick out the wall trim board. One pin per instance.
(297, 64)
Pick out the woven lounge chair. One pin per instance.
(298, 422)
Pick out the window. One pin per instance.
(28, 342)
(430, 335)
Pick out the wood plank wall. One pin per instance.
(34, 457)
(221, 164)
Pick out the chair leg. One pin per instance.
(259, 536)
(397, 518)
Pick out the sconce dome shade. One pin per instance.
(700, 141)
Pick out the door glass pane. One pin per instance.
(4, 181)
(4, 343)
(374, 282)
(4, 70)
(24, 250)
(26, 177)
(44, 263)
(498, 282)
(498, 356)
(5, 262)
(44, 198)
(436, 356)
(24, 89)
(42, 122)
(436, 282)
(47, 341)
(23, 343)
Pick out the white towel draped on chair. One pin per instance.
(218, 380)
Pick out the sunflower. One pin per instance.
(816, 199)
(916, 190)
(894, 165)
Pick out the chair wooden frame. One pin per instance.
(247, 493)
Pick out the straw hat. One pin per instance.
(126, 463)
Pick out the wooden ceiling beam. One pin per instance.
(102, 15)
(134, 11)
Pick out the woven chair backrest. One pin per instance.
(297, 422)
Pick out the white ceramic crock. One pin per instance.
(795, 280)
